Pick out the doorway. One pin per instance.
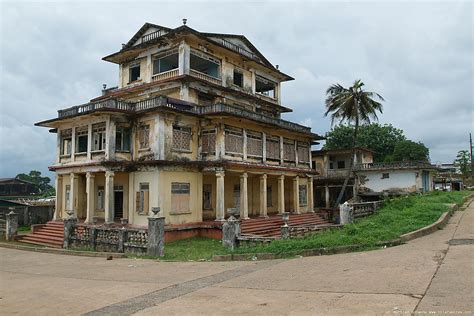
(118, 202)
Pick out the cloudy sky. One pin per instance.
(418, 55)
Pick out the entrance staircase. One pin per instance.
(50, 235)
(270, 226)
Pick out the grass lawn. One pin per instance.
(397, 217)
(24, 228)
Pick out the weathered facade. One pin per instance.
(194, 128)
(332, 167)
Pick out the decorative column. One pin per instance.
(296, 197)
(220, 215)
(263, 196)
(59, 197)
(281, 194)
(310, 195)
(109, 197)
(244, 205)
(73, 194)
(90, 192)
(326, 189)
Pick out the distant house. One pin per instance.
(448, 178)
(13, 188)
(332, 167)
(394, 178)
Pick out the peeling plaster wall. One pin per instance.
(399, 180)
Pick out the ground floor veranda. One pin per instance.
(183, 196)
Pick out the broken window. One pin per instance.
(66, 141)
(303, 197)
(182, 138)
(180, 194)
(122, 138)
(98, 137)
(144, 136)
(165, 62)
(269, 196)
(265, 86)
(273, 148)
(238, 78)
(208, 139)
(81, 139)
(205, 64)
(143, 198)
(100, 197)
(207, 196)
(254, 144)
(233, 140)
(134, 73)
(303, 152)
(288, 150)
(341, 164)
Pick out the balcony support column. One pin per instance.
(184, 55)
(263, 196)
(220, 212)
(90, 195)
(244, 205)
(296, 194)
(326, 189)
(310, 195)
(74, 179)
(59, 198)
(281, 150)
(109, 197)
(264, 147)
(281, 194)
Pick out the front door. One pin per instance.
(118, 204)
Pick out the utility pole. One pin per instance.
(472, 161)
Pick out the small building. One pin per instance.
(13, 188)
(448, 178)
(332, 167)
(394, 178)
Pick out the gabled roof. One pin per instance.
(129, 47)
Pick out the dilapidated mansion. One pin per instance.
(194, 127)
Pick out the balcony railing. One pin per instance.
(166, 75)
(225, 108)
(393, 165)
(162, 101)
(152, 36)
(114, 104)
(237, 49)
(205, 77)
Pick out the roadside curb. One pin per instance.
(62, 251)
(439, 224)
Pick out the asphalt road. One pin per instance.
(432, 275)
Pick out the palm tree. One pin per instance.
(355, 106)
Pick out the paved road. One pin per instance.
(431, 274)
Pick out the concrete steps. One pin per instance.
(50, 235)
(270, 227)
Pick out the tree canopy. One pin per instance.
(42, 182)
(382, 139)
(407, 150)
(463, 162)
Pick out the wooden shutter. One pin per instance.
(137, 201)
(146, 208)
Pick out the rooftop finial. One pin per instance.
(277, 66)
(184, 21)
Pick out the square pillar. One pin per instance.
(73, 194)
(220, 212)
(296, 194)
(281, 194)
(326, 189)
(90, 193)
(263, 196)
(109, 197)
(59, 198)
(310, 195)
(244, 205)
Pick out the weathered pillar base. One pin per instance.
(230, 232)
(156, 236)
(11, 226)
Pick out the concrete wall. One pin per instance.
(399, 180)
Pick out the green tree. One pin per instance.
(379, 138)
(354, 106)
(408, 150)
(463, 163)
(42, 182)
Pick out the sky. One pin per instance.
(417, 55)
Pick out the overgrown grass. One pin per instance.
(24, 228)
(193, 249)
(397, 217)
